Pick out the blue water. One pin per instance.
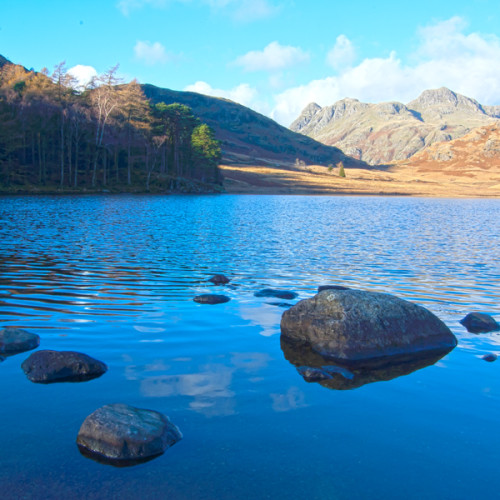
(114, 277)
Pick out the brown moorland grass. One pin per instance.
(394, 180)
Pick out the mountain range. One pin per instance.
(390, 131)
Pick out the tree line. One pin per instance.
(107, 134)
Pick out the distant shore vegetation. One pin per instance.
(57, 136)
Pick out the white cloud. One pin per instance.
(151, 53)
(83, 74)
(342, 54)
(446, 56)
(273, 57)
(240, 10)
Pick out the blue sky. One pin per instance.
(275, 56)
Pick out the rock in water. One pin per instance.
(15, 340)
(355, 326)
(490, 357)
(46, 367)
(219, 279)
(277, 294)
(212, 299)
(120, 432)
(479, 323)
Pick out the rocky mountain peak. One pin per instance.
(305, 117)
(444, 101)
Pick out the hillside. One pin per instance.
(390, 131)
(249, 138)
(464, 167)
(474, 157)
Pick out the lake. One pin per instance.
(114, 277)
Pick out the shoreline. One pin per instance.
(314, 180)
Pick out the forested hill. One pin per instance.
(104, 137)
(247, 137)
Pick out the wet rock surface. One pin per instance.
(315, 368)
(276, 294)
(16, 340)
(122, 435)
(322, 288)
(212, 299)
(46, 367)
(356, 326)
(219, 279)
(476, 322)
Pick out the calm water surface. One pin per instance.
(114, 277)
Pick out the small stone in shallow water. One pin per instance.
(46, 367)
(476, 322)
(277, 294)
(126, 435)
(212, 299)
(280, 304)
(219, 279)
(15, 340)
(490, 357)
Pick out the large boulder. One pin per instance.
(15, 340)
(45, 367)
(355, 326)
(125, 435)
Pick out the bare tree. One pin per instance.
(105, 99)
(64, 84)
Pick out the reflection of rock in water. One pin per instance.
(332, 374)
(101, 459)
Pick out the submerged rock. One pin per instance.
(46, 367)
(490, 357)
(219, 279)
(355, 326)
(314, 367)
(479, 323)
(277, 294)
(15, 340)
(280, 304)
(124, 435)
(322, 288)
(209, 298)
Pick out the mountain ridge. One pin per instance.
(385, 132)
